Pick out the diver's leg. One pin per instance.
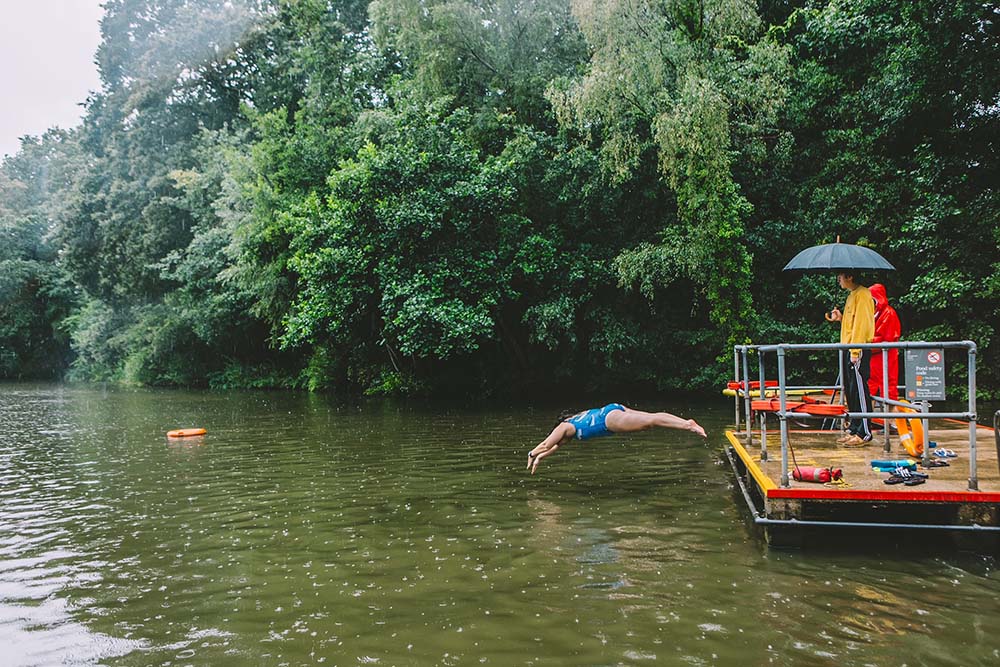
(619, 421)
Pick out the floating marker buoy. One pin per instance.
(185, 432)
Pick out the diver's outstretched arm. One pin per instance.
(546, 447)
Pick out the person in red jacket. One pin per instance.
(887, 330)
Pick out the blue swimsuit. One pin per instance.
(591, 424)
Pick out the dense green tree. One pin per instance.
(295, 145)
(895, 121)
(487, 55)
(36, 294)
(173, 74)
(695, 83)
(488, 196)
(166, 73)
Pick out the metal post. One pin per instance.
(736, 376)
(763, 413)
(842, 381)
(973, 478)
(784, 421)
(996, 434)
(746, 394)
(885, 395)
(843, 376)
(925, 407)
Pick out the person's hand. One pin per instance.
(533, 461)
(536, 455)
(695, 428)
(834, 315)
(856, 359)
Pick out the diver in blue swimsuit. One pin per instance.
(612, 418)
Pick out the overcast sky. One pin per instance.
(46, 65)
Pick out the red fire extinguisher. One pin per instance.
(811, 474)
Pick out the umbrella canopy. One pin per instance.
(837, 257)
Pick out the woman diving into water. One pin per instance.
(612, 418)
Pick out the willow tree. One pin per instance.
(486, 55)
(697, 84)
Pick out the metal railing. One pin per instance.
(996, 435)
(741, 366)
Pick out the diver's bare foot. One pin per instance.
(695, 428)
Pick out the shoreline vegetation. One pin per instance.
(495, 198)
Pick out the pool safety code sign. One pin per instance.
(925, 375)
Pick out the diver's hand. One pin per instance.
(536, 455)
(694, 427)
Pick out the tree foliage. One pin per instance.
(488, 196)
(36, 294)
(696, 82)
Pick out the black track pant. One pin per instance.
(856, 389)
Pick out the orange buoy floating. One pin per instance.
(186, 432)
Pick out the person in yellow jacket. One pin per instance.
(857, 325)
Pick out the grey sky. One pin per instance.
(46, 65)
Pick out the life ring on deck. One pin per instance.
(186, 432)
(755, 384)
(911, 433)
(811, 407)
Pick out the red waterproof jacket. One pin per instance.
(887, 329)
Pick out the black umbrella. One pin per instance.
(838, 257)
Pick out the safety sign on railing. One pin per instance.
(925, 375)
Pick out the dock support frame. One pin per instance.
(741, 352)
(760, 515)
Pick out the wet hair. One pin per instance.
(564, 415)
(856, 276)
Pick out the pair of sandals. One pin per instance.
(853, 440)
(907, 477)
(942, 453)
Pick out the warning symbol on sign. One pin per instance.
(934, 357)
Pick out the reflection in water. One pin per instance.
(43, 633)
(302, 532)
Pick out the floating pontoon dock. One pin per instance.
(963, 497)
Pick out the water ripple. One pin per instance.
(301, 532)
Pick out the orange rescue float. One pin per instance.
(810, 406)
(186, 432)
(911, 433)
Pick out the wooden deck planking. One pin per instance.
(819, 448)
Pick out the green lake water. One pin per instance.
(304, 532)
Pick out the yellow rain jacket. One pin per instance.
(858, 322)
